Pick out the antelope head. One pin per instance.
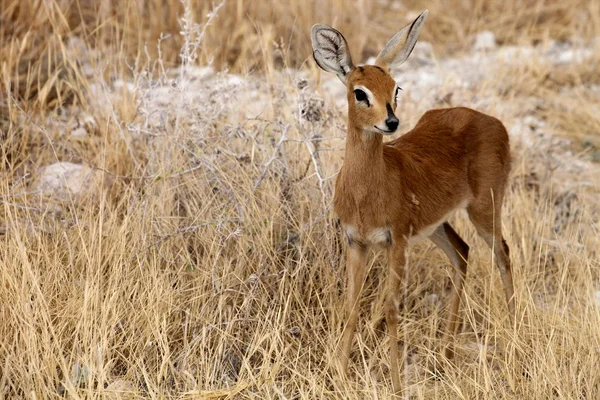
(372, 91)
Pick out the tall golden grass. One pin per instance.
(212, 266)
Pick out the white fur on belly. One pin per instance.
(378, 235)
(382, 234)
(374, 236)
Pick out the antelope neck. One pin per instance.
(364, 152)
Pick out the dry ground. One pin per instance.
(200, 258)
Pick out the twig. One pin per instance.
(182, 231)
(117, 122)
(280, 143)
(312, 142)
(21, 206)
(73, 154)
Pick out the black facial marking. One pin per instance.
(379, 68)
(390, 112)
(361, 69)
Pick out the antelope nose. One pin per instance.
(392, 123)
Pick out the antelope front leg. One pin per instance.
(396, 261)
(355, 266)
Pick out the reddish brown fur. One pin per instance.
(387, 194)
(451, 158)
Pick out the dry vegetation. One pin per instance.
(201, 258)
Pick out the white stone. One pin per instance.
(65, 181)
(194, 72)
(485, 40)
(79, 132)
(87, 119)
(121, 84)
(571, 56)
(235, 80)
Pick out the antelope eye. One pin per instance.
(360, 95)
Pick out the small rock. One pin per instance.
(65, 180)
(79, 132)
(597, 298)
(484, 41)
(235, 80)
(571, 56)
(193, 72)
(121, 84)
(534, 123)
(87, 120)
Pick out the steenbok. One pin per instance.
(392, 194)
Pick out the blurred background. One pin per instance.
(248, 36)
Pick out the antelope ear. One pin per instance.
(330, 51)
(397, 50)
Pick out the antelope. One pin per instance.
(392, 194)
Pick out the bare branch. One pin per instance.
(273, 157)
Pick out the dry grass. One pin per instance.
(211, 268)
